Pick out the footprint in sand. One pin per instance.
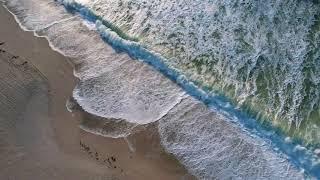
(108, 161)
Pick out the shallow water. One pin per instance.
(112, 85)
(263, 55)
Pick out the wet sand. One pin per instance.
(40, 139)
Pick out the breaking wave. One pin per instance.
(214, 141)
(262, 55)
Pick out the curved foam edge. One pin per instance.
(213, 148)
(202, 95)
(306, 159)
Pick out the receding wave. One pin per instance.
(213, 141)
(263, 55)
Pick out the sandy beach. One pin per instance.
(79, 99)
(41, 139)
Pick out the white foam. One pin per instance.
(130, 145)
(213, 148)
(242, 43)
(142, 94)
(113, 85)
(70, 105)
(100, 132)
(288, 140)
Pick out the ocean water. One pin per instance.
(263, 55)
(234, 56)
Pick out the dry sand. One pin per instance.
(40, 139)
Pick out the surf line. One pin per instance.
(112, 35)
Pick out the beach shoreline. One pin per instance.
(75, 149)
(117, 111)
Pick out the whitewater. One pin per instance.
(209, 133)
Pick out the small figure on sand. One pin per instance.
(14, 57)
(2, 43)
(113, 159)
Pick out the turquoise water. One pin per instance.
(262, 55)
(302, 158)
(234, 56)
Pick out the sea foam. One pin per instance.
(113, 85)
(262, 54)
